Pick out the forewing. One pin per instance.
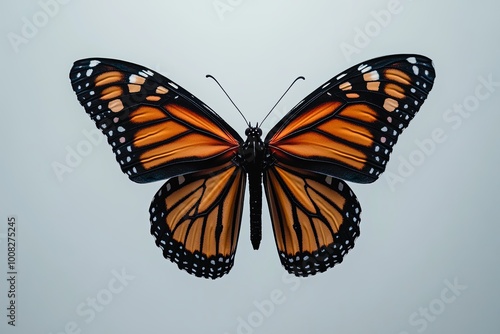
(315, 218)
(348, 126)
(156, 128)
(196, 219)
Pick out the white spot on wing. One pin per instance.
(372, 76)
(94, 63)
(366, 69)
(412, 60)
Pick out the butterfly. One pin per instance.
(343, 131)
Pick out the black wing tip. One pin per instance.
(411, 58)
(80, 68)
(89, 63)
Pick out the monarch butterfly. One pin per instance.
(345, 129)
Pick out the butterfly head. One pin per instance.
(253, 131)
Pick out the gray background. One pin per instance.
(434, 227)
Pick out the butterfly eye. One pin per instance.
(248, 132)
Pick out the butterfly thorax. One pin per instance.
(251, 158)
(251, 153)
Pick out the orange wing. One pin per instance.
(344, 129)
(157, 131)
(348, 126)
(196, 219)
(315, 218)
(156, 128)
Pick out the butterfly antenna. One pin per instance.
(209, 76)
(269, 113)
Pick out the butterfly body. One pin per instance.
(344, 130)
(252, 155)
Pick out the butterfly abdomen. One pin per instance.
(255, 184)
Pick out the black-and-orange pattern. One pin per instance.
(345, 129)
